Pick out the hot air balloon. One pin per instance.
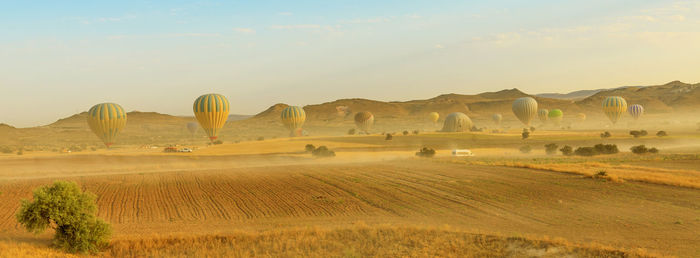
(211, 110)
(434, 117)
(614, 107)
(293, 118)
(192, 127)
(106, 120)
(556, 115)
(364, 121)
(635, 111)
(497, 118)
(543, 114)
(581, 117)
(457, 122)
(525, 109)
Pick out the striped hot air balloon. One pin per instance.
(525, 109)
(556, 115)
(192, 127)
(211, 110)
(614, 107)
(457, 122)
(543, 114)
(106, 120)
(293, 118)
(364, 121)
(434, 117)
(497, 118)
(635, 111)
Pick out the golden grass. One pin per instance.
(355, 241)
(615, 173)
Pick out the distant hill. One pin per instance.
(577, 95)
(673, 96)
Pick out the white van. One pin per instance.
(462, 153)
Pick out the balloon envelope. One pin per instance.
(614, 107)
(364, 120)
(497, 118)
(211, 110)
(457, 122)
(192, 127)
(293, 117)
(556, 115)
(636, 111)
(543, 115)
(525, 109)
(434, 117)
(106, 120)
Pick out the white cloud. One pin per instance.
(244, 30)
(295, 26)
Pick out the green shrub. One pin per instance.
(551, 148)
(606, 134)
(636, 134)
(426, 152)
(261, 138)
(585, 151)
(416, 131)
(389, 137)
(567, 150)
(606, 149)
(70, 212)
(639, 149)
(217, 142)
(309, 148)
(323, 151)
(661, 133)
(351, 131)
(525, 134)
(653, 150)
(405, 132)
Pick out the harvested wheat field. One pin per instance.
(359, 202)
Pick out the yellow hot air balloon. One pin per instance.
(293, 118)
(614, 107)
(106, 120)
(543, 114)
(525, 109)
(364, 121)
(434, 117)
(211, 110)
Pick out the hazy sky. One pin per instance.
(58, 58)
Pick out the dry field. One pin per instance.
(268, 199)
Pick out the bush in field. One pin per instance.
(426, 152)
(217, 142)
(20, 151)
(525, 134)
(606, 149)
(5, 149)
(526, 149)
(261, 138)
(532, 129)
(405, 132)
(70, 212)
(567, 150)
(661, 133)
(641, 149)
(636, 134)
(323, 151)
(585, 151)
(551, 148)
(643, 133)
(416, 131)
(309, 148)
(389, 137)
(606, 134)
(351, 131)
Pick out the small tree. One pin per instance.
(388, 137)
(532, 129)
(636, 134)
(567, 150)
(639, 149)
(426, 152)
(661, 133)
(309, 148)
(606, 134)
(351, 131)
(551, 148)
(323, 151)
(405, 132)
(70, 212)
(525, 134)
